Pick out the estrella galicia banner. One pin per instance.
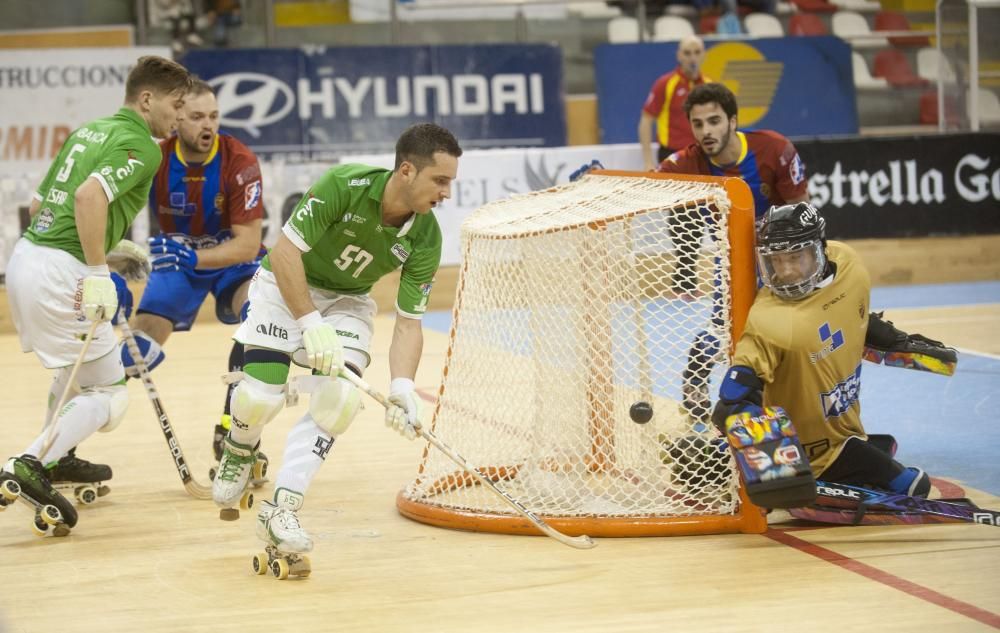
(321, 103)
(799, 86)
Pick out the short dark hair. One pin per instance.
(199, 87)
(418, 144)
(158, 74)
(712, 93)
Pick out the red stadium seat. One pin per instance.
(895, 68)
(894, 21)
(806, 24)
(707, 24)
(929, 109)
(815, 6)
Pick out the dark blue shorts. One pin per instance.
(176, 295)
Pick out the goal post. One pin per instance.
(572, 304)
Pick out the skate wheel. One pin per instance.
(103, 491)
(61, 530)
(260, 470)
(38, 526)
(86, 495)
(302, 568)
(259, 564)
(211, 474)
(279, 567)
(50, 514)
(246, 501)
(229, 514)
(10, 489)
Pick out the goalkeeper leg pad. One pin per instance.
(769, 455)
(333, 405)
(255, 403)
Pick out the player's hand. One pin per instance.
(100, 297)
(322, 344)
(404, 414)
(168, 254)
(124, 298)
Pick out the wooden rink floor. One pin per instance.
(150, 558)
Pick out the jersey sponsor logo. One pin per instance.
(826, 306)
(400, 252)
(797, 170)
(348, 334)
(219, 201)
(44, 220)
(90, 135)
(350, 233)
(307, 207)
(56, 196)
(251, 195)
(359, 182)
(270, 329)
(425, 289)
(129, 168)
(838, 400)
(357, 219)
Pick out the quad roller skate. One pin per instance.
(81, 477)
(285, 540)
(231, 485)
(258, 477)
(24, 478)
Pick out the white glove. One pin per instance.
(404, 415)
(323, 348)
(100, 297)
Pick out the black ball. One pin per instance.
(641, 412)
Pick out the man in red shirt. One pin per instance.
(665, 103)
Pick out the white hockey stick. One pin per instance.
(579, 542)
(191, 485)
(51, 434)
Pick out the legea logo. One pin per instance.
(250, 101)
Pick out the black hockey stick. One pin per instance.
(836, 502)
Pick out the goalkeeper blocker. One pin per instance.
(885, 343)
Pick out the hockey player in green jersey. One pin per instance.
(310, 300)
(58, 278)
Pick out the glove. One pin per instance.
(124, 298)
(322, 344)
(168, 254)
(100, 298)
(404, 415)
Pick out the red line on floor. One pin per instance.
(885, 578)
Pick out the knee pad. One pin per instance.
(333, 405)
(255, 403)
(152, 354)
(117, 405)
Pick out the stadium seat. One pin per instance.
(929, 109)
(894, 21)
(623, 30)
(989, 107)
(807, 24)
(763, 25)
(893, 66)
(928, 63)
(593, 9)
(784, 8)
(861, 6)
(707, 24)
(863, 79)
(682, 10)
(671, 28)
(815, 6)
(853, 27)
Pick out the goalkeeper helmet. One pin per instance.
(791, 250)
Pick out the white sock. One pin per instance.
(305, 451)
(78, 420)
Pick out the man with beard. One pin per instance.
(208, 201)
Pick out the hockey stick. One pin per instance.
(579, 542)
(50, 435)
(191, 485)
(837, 499)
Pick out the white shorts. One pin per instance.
(45, 287)
(270, 325)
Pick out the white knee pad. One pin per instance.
(255, 403)
(117, 405)
(333, 405)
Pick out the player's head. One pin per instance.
(690, 55)
(791, 250)
(711, 109)
(199, 121)
(155, 88)
(427, 163)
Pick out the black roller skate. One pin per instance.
(24, 478)
(85, 479)
(259, 475)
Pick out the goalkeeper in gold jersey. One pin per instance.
(802, 351)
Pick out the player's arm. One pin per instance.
(790, 174)
(242, 247)
(286, 264)
(645, 135)
(90, 205)
(404, 357)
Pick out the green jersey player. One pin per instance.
(310, 299)
(58, 278)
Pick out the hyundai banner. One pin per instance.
(799, 86)
(323, 103)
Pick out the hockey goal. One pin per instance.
(568, 311)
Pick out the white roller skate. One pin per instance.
(285, 539)
(229, 488)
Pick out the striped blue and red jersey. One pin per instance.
(204, 200)
(768, 163)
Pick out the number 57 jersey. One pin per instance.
(346, 248)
